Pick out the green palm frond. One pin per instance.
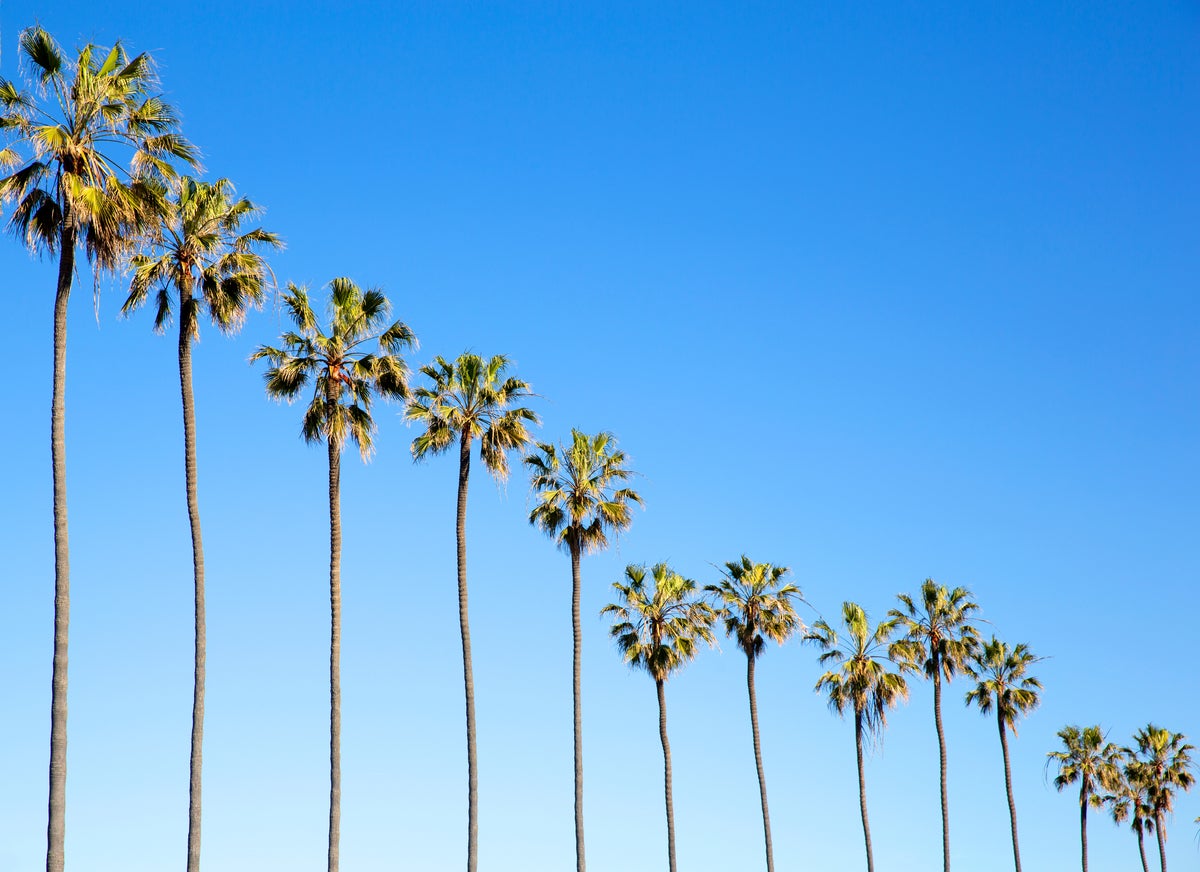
(579, 498)
(470, 399)
(658, 629)
(938, 637)
(860, 679)
(1003, 681)
(78, 112)
(345, 376)
(756, 605)
(197, 254)
(1160, 764)
(1087, 759)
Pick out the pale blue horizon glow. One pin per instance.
(879, 292)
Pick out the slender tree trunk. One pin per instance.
(187, 321)
(1012, 805)
(464, 471)
(577, 666)
(862, 790)
(666, 746)
(1160, 830)
(762, 781)
(335, 654)
(1141, 837)
(1083, 822)
(937, 716)
(56, 828)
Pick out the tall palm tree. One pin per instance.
(200, 261)
(70, 189)
(1087, 758)
(1003, 683)
(582, 498)
(1129, 801)
(468, 399)
(939, 640)
(658, 631)
(860, 680)
(1161, 764)
(756, 605)
(345, 374)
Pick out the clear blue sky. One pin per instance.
(878, 291)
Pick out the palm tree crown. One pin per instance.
(579, 500)
(472, 397)
(1162, 764)
(1003, 681)
(200, 247)
(756, 604)
(1086, 759)
(345, 374)
(938, 636)
(102, 98)
(860, 680)
(658, 630)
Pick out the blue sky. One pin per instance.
(877, 291)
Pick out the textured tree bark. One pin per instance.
(464, 471)
(1083, 821)
(937, 716)
(862, 790)
(1012, 805)
(187, 320)
(1160, 830)
(762, 781)
(577, 668)
(1141, 837)
(666, 746)
(335, 653)
(56, 827)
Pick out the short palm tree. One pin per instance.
(756, 605)
(939, 640)
(345, 374)
(581, 499)
(1003, 683)
(69, 189)
(1088, 759)
(466, 400)
(658, 630)
(1161, 764)
(1129, 801)
(200, 261)
(859, 680)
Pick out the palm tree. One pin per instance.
(1160, 764)
(940, 641)
(1129, 801)
(70, 190)
(581, 499)
(1004, 684)
(470, 399)
(345, 376)
(200, 261)
(657, 630)
(1093, 762)
(756, 605)
(861, 681)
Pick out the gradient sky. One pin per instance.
(877, 291)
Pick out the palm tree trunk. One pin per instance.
(1012, 806)
(577, 666)
(937, 716)
(1160, 830)
(762, 781)
(335, 654)
(1141, 837)
(862, 790)
(464, 471)
(1083, 821)
(56, 828)
(666, 746)
(187, 321)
